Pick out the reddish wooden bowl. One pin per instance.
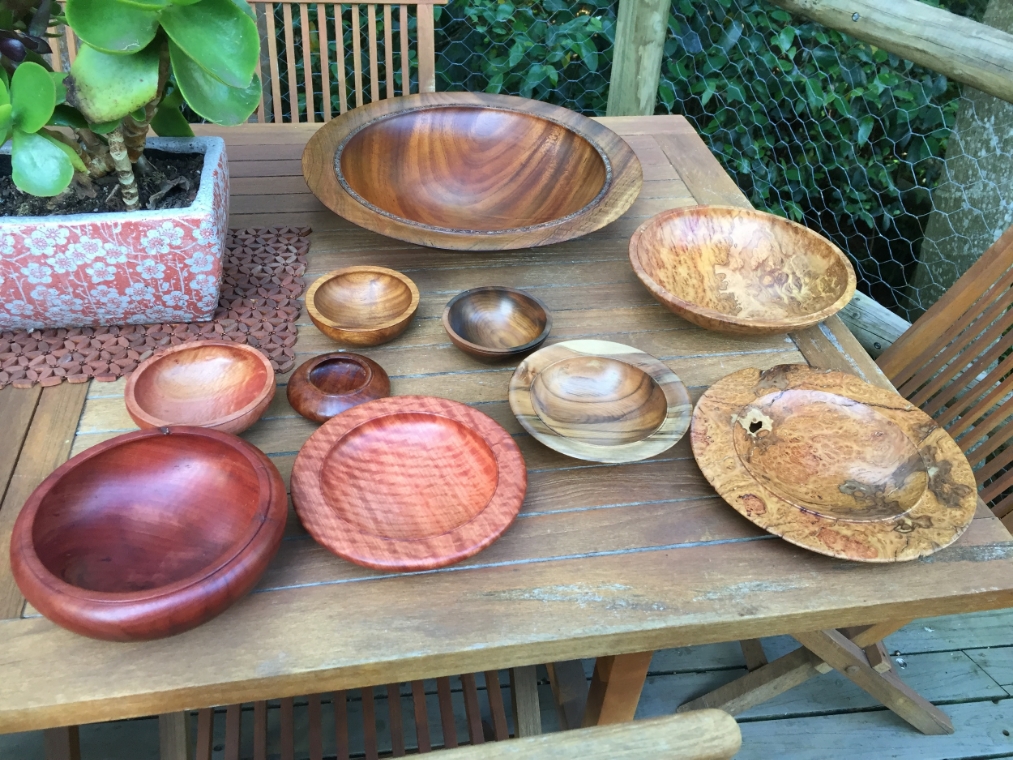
(149, 534)
(408, 483)
(362, 306)
(495, 323)
(211, 384)
(333, 383)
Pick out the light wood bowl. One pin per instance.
(471, 171)
(149, 534)
(495, 323)
(212, 384)
(741, 271)
(362, 306)
(600, 401)
(327, 385)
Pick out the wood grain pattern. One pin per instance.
(600, 401)
(496, 323)
(330, 384)
(93, 551)
(362, 305)
(833, 464)
(741, 271)
(537, 173)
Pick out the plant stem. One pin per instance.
(95, 154)
(135, 132)
(124, 169)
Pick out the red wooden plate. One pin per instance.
(408, 483)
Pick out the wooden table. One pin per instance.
(604, 560)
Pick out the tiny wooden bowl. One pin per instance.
(600, 401)
(211, 384)
(149, 534)
(332, 383)
(494, 323)
(741, 271)
(362, 306)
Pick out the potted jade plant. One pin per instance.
(98, 223)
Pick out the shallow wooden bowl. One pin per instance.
(741, 271)
(495, 323)
(471, 171)
(362, 306)
(149, 534)
(333, 383)
(833, 464)
(600, 401)
(408, 483)
(212, 384)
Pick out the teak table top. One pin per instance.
(604, 559)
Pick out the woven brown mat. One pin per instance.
(261, 285)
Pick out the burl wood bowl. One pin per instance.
(212, 384)
(471, 171)
(408, 483)
(495, 323)
(600, 401)
(832, 464)
(332, 383)
(741, 271)
(362, 306)
(149, 534)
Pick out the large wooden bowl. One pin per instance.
(741, 271)
(149, 534)
(330, 384)
(496, 323)
(213, 384)
(362, 306)
(471, 171)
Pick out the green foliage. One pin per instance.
(107, 87)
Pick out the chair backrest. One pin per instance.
(956, 363)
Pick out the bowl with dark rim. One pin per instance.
(496, 323)
(330, 384)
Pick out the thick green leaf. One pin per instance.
(5, 96)
(5, 122)
(61, 91)
(39, 167)
(112, 26)
(75, 159)
(218, 36)
(106, 87)
(207, 96)
(170, 122)
(148, 5)
(67, 116)
(33, 97)
(105, 127)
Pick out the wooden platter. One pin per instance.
(471, 171)
(496, 323)
(330, 384)
(149, 534)
(363, 305)
(408, 483)
(833, 464)
(741, 271)
(600, 401)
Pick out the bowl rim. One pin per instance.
(667, 297)
(316, 314)
(138, 411)
(349, 357)
(503, 352)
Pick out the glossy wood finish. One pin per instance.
(149, 534)
(330, 384)
(495, 323)
(408, 483)
(741, 271)
(833, 464)
(472, 171)
(362, 305)
(213, 384)
(600, 401)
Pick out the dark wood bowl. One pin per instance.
(211, 384)
(362, 306)
(149, 534)
(495, 323)
(741, 271)
(333, 383)
(471, 171)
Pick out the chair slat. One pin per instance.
(339, 58)
(421, 717)
(341, 716)
(357, 54)
(1003, 509)
(57, 58)
(293, 82)
(995, 465)
(307, 64)
(496, 707)
(397, 745)
(406, 82)
(260, 731)
(71, 47)
(205, 734)
(446, 712)
(272, 50)
(472, 710)
(388, 51)
(259, 12)
(325, 66)
(233, 724)
(997, 487)
(287, 729)
(374, 65)
(314, 733)
(369, 741)
(988, 424)
(962, 399)
(426, 48)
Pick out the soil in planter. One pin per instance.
(173, 180)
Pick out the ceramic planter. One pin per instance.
(120, 268)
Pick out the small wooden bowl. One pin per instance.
(333, 383)
(496, 323)
(149, 534)
(210, 384)
(600, 401)
(362, 306)
(741, 271)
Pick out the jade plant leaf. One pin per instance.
(75, 159)
(207, 96)
(67, 116)
(61, 91)
(218, 36)
(168, 120)
(112, 26)
(33, 97)
(106, 87)
(5, 96)
(5, 122)
(39, 167)
(148, 5)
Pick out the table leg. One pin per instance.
(615, 688)
(524, 692)
(569, 688)
(175, 738)
(61, 743)
(752, 651)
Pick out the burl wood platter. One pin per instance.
(214, 384)
(330, 384)
(149, 534)
(408, 483)
(600, 401)
(363, 305)
(833, 464)
(741, 271)
(472, 171)
(496, 323)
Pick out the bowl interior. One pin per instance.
(338, 375)
(477, 169)
(147, 514)
(599, 401)
(362, 300)
(497, 319)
